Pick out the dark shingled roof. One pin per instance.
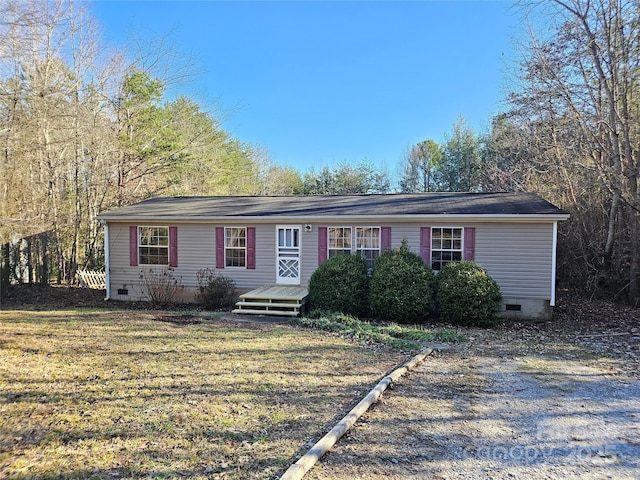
(337, 205)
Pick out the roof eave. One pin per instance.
(488, 218)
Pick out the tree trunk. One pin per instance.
(634, 268)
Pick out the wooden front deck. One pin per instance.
(288, 300)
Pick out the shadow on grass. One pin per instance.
(92, 395)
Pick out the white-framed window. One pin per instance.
(368, 243)
(153, 245)
(235, 247)
(446, 246)
(339, 241)
(365, 240)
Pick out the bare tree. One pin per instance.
(82, 131)
(579, 105)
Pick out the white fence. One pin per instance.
(92, 279)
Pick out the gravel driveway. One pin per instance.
(506, 406)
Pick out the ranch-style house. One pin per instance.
(261, 241)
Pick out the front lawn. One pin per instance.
(121, 394)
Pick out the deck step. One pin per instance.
(268, 304)
(273, 300)
(284, 313)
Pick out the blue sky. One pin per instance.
(319, 83)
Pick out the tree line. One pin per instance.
(571, 133)
(82, 132)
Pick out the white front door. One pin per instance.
(288, 254)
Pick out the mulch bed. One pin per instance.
(57, 297)
(50, 297)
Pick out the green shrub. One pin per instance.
(341, 285)
(402, 286)
(395, 335)
(467, 295)
(215, 291)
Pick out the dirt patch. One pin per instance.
(51, 297)
(178, 319)
(558, 399)
(56, 297)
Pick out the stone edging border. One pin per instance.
(309, 459)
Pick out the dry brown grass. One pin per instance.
(118, 394)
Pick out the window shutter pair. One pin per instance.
(251, 248)
(469, 247)
(323, 238)
(133, 246)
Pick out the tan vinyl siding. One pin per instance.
(499, 248)
(517, 256)
(265, 271)
(196, 250)
(409, 231)
(121, 274)
(308, 252)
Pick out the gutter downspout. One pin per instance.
(552, 301)
(107, 266)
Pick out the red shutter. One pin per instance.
(251, 248)
(322, 245)
(425, 244)
(469, 243)
(219, 247)
(385, 238)
(133, 246)
(173, 246)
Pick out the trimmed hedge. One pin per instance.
(467, 295)
(402, 286)
(341, 284)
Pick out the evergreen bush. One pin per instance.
(402, 286)
(341, 284)
(467, 295)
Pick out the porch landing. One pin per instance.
(287, 300)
